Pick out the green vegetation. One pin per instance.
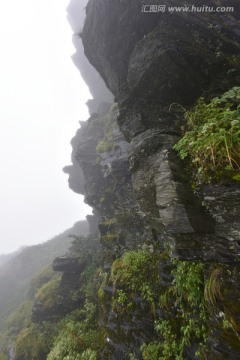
(85, 249)
(152, 351)
(19, 318)
(105, 146)
(221, 299)
(212, 139)
(189, 323)
(77, 338)
(136, 273)
(109, 222)
(212, 291)
(199, 292)
(103, 278)
(47, 293)
(186, 310)
(34, 342)
(109, 124)
(109, 238)
(16, 274)
(41, 277)
(188, 301)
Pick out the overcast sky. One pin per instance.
(42, 100)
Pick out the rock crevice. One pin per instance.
(156, 65)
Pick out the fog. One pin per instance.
(42, 100)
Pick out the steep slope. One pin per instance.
(59, 315)
(4, 258)
(98, 90)
(15, 275)
(150, 207)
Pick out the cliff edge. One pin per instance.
(158, 64)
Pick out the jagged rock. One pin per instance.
(155, 73)
(53, 314)
(223, 203)
(99, 91)
(155, 51)
(156, 65)
(76, 178)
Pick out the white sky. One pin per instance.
(42, 99)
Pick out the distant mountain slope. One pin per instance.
(4, 258)
(16, 273)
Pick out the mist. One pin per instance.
(42, 101)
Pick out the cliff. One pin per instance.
(152, 212)
(97, 88)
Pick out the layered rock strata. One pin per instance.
(157, 65)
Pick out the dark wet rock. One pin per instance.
(136, 330)
(93, 224)
(219, 200)
(108, 189)
(155, 51)
(66, 264)
(156, 65)
(52, 314)
(224, 341)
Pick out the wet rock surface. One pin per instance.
(60, 300)
(66, 264)
(156, 65)
(166, 62)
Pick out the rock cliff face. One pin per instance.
(99, 91)
(157, 65)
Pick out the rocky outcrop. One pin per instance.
(60, 294)
(102, 153)
(98, 90)
(173, 57)
(66, 264)
(157, 65)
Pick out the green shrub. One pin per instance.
(105, 146)
(47, 293)
(107, 143)
(41, 277)
(137, 273)
(189, 324)
(85, 249)
(151, 351)
(109, 237)
(19, 318)
(212, 140)
(212, 291)
(73, 343)
(5, 341)
(88, 355)
(34, 342)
